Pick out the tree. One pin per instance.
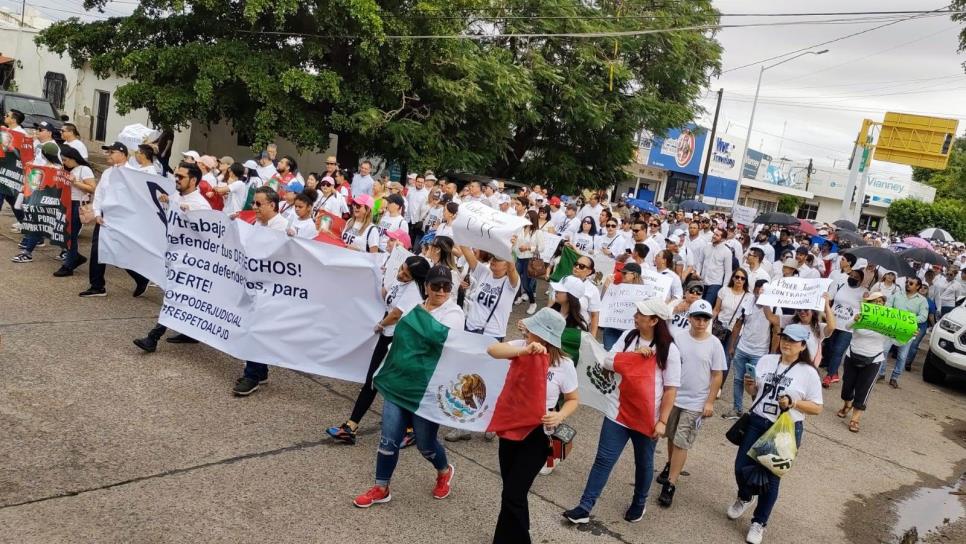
(538, 109)
(789, 204)
(909, 216)
(951, 182)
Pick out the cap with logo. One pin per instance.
(116, 146)
(700, 308)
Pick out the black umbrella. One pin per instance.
(775, 218)
(755, 478)
(694, 206)
(852, 237)
(924, 255)
(845, 224)
(886, 258)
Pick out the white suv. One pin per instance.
(947, 348)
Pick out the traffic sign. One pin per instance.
(916, 140)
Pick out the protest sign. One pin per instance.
(135, 220)
(482, 227)
(658, 285)
(393, 264)
(15, 149)
(795, 293)
(891, 322)
(603, 263)
(46, 203)
(549, 246)
(617, 306)
(744, 215)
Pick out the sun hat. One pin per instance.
(873, 295)
(797, 332)
(210, 162)
(700, 307)
(227, 160)
(193, 154)
(655, 307)
(364, 200)
(327, 179)
(401, 236)
(250, 164)
(547, 324)
(569, 284)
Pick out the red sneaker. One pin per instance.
(827, 381)
(443, 483)
(375, 495)
(835, 378)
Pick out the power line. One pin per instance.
(961, 116)
(840, 38)
(843, 97)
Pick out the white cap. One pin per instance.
(569, 284)
(193, 154)
(655, 307)
(700, 307)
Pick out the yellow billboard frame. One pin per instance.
(915, 140)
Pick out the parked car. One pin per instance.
(34, 108)
(947, 348)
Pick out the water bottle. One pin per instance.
(549, 429)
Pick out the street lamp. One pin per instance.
(754, 105)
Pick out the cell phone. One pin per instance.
(750, 370)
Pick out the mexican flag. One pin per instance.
(565, 267)
(46, 203)
(626, 394)
(447, 377)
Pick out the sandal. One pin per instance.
(843, 412)
(854, 426)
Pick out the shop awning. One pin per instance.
(780, 189)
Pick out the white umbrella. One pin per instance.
(936, 234)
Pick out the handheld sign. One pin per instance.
(795, 293)
(744, 215)
(393, 264)
(480, 226)
(892, 322)
(658, 285)
(549, 246)
(46, 203)
(617, 306)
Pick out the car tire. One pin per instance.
(931, 372)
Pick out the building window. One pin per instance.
(869, 222)
(55, 89)
(808, 211)
(763, 206)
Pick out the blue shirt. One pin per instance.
(362, 184)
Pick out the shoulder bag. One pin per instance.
(720, 331)
(736, 434)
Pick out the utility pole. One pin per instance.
(808, 174)
(707, 159)
(856, 166)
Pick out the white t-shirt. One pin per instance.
(276, 223)
(755, 337)
(669, 377)
(678, 322)
(698, 359)
(404, 296)
(801, 383)
(444, 229)
(561, 379)
(677, 290)
(590, 301)
(868, 343)
(194, 201)
(615, 244)
(846, 305)
(491, 295)
(363, 241)
(388, 223)
(79, 146)
(449, 314)
(433, 218)
(731, 306)
(237, 194)
(334, 204)
(80, 173)
(304, 228)
(584, 243)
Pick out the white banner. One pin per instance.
(256, 293)
(795, 293)
(393, 264)
(549, 246)
(482, 227)
(603, 263)
(617, 305)
(744, 215)
(126, 240)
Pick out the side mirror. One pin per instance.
(65, 118)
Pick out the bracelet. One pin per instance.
(662, 422)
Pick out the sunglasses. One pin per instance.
(259, 204)
(655, 225)
(581, 266)
(356, 205)
(588, 222)
(742, 278)
(444, 287)
(326, 184)
(612, 225)
(696, 291)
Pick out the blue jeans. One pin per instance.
(611, 336)
(610, 445)
(903, 352)
(256, 371)
(528, 285)
(711, 294)
(914, 344)
(835, 348)
(739, 365)
(394, 422)
(30, 241)
(75, 228)
(756, 427)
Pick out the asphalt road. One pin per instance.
(101, 443)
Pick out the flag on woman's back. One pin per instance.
(626, 394)
(447, 377)
(565, 267)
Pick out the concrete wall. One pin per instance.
(219, 140)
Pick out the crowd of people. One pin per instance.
(709, 324)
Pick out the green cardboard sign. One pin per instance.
(898, 324)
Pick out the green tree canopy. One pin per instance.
(951, 182)
(558, 110)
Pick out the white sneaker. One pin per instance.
(738, 509)
(518, 301)
(755, 533)
(532, 308)
(547, 470)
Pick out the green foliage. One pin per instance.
(789, 204)
(951, 182)
(536, 109)
(909, 216)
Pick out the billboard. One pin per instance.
(726, 151)
(680, 151)
(753, 163)
(916, 140)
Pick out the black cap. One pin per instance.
(44, 125)
(396, 199)
(116, 146)
(439, 274)
(801, 249)
(68, 152)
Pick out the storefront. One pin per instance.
(680, 155)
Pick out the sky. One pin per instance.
(911, 66)
(897, 68)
